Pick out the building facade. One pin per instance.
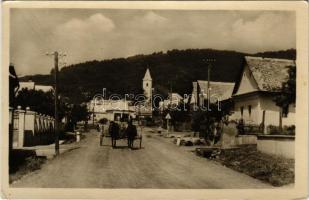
(254, 92)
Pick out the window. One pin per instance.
(249, 110)
(242, 111)
(146, 84)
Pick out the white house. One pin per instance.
(122, 109)
(112, 110)
(260, 80)
(30, 85)
(173, 99)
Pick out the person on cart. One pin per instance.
(114, 132)
(131, 133)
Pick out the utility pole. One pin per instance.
(208, 96)
(56, 105)
(56, 60)
(209, 66)
(93, 114)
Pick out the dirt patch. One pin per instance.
(277, 171)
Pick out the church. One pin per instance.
(144, 109)
(122, 109)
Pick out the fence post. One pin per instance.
(29, 126)
(21, 126)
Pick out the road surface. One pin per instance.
(159, 164)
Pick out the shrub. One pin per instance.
(273, 130)
(286, 130)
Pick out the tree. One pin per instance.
(40, 101)
(78, 112)
(287, 93)
(205, 122)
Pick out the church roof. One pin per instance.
(147, 75)
(269, 73)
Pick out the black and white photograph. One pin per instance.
(154, 98)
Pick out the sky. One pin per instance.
(98, 34)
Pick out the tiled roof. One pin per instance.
(221, 90)
(269, 73)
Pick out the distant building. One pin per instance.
(30, 85)
(173, 99)
(113, 110)
(147, 85)
(145, 108)
(218, 92)
(260, 80)
(116, 110)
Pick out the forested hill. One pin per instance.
(175, 69)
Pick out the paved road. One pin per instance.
(159, 164)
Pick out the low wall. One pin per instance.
(31, 128)
(246, 139)
(279, 145)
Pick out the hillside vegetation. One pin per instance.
(175, 69)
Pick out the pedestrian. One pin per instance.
(98, 127)
(241, 127)
(101, 134)
(114, 132)
(131, 133)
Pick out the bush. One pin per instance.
(286, 130)
(103, 121)
(33, 163)
(273, 130)
(289, 130)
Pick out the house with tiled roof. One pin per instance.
(217, 91)
(260, 80)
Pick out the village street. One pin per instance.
(159, 164)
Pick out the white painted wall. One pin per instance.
(247, 83)
(273, 113)
(285, 148)
(260, 103)
(256, 114)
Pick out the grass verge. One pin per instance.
(277, 171)
(23, 162)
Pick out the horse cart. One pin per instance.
(104, 134)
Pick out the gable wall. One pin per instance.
(247, 83)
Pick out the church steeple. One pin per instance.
(147, 76)
(147, 85)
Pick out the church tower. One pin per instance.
(147, 85)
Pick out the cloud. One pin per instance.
(267, 31)
(79, 29)
(152, 18)
(100, 34)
